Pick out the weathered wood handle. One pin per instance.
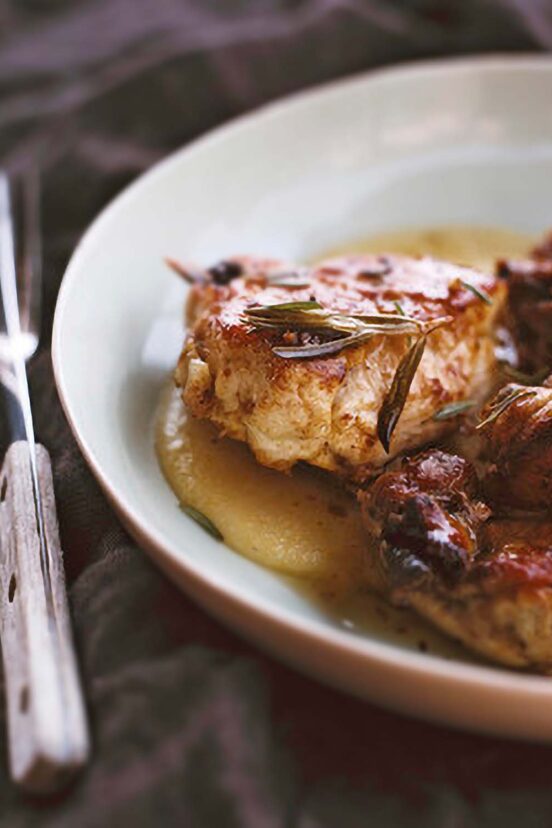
(47, 729)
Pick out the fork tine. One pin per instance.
(30, 288)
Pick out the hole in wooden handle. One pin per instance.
(11, 588)
(24, 699)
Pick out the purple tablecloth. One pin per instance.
(191, 726)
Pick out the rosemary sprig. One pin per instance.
(190, 274)
(400, 311)
(481, 294)
(395, 399)
(310, 316)
(202, 520)
(226, 270)
(219, 274)
(289, 279)
(499, 407)
(447, 412)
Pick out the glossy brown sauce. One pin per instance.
(304, 524)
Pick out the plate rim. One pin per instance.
(500, 679)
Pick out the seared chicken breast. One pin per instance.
(474, 556)
(324, 409)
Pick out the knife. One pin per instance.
(48, 737)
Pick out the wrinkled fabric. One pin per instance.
(191, 726)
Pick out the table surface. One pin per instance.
(191, 725)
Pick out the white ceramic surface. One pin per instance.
(466, 141)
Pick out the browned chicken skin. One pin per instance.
(448, 546)
(426, 517)
(519, 445)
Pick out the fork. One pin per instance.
(47, 729)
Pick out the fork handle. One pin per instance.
(47, 729)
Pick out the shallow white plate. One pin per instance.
(467, 141)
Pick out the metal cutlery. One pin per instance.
(47, 729)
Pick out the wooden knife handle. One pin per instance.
(47, 729)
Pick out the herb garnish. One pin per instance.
(285, 307)
(321, 349)
(190, 274)
(395, 399)
(310, 316)
(447, 412)
(481, 294)
(202, 520)
(289, 279)
(227, 270)
(221, 273)
(499, 407)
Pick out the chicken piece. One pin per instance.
(519, 445)
(530, 305)
(426, 516)
(543, 250)
(486, 581)
(325, 410)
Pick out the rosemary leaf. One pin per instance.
(202, 520)
(289, 278)
(322, 349)
(388, 319)
(500, 407)
(481, 294)
(314, 310)
(284, 307)
(399, 308)
(451, 410)
(290, 283)
(396, 397)
(191, 275)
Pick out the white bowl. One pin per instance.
(466, 141)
